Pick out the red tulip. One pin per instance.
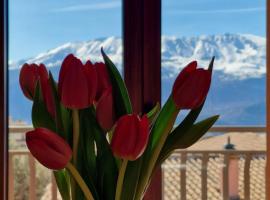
(48, 148)
(48, 97)
(77, 83)
(103, 79)
(29, 75)
(105, 110)
(130, 136)
(191, 86)
(91, 76)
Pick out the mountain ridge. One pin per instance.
(230, 50)
(238, 85)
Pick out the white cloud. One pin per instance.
(86, 7)
(238, 10)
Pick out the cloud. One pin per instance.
(87, 7)
(218, 11)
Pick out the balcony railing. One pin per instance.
(178, 166)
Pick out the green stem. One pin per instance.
(162, 127)
(120, 179)
(76, 133)
(152, 163)
(88, 195)
(110, 134)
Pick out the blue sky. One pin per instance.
(36, 26)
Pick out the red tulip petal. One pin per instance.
(42, 72)
(124, 136)
(74, 85)
(48, 148)
(105, 110)
(28, 80)
(142, 139)
(193, 91)
(130, 137)
(64, 68)
(184, 74)
(91, 75)
(48, 97)
(103, 79)
(29, 75)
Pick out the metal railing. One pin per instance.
(32, 176)
(183, 155)
(224, 156)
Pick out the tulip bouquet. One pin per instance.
(86, 132)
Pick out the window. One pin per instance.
(3, 31)
(232, 31)
(46, 32)
(235, 33)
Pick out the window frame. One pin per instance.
(142, 63)
(267, 185)
(142, 72)
(3, 99)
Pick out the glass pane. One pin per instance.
(45, 32)
(233, 32)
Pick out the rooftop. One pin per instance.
(242, 141)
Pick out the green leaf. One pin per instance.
(189, 120)
(40, 115)
(182, 140)
(63, 128)
(63, 115)
(106, 165)
(120, 93)
(62, 181)
(161, 128)
(131, 179)
(164, 122)
(152, 114)
(86, 162)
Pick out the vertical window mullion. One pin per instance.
(268, 100)
(3, 100)
(142, 62)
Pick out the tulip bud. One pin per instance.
(103, 79)
(105, 110)
(29, 76)
(77, 84)
(48, 148)
(130, 137)
(191, 86)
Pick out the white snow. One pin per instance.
(239, 55)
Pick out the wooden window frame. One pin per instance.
(3, 99)
(267, 185)
(142, 63)
(142, 72)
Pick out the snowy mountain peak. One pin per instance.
(236, 55)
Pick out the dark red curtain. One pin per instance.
(142, 62)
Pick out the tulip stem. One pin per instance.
(120, 179)
(76, 133)
(88, 195)
(171, 112)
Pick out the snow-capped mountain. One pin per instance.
(240, 56)
(237, 93)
